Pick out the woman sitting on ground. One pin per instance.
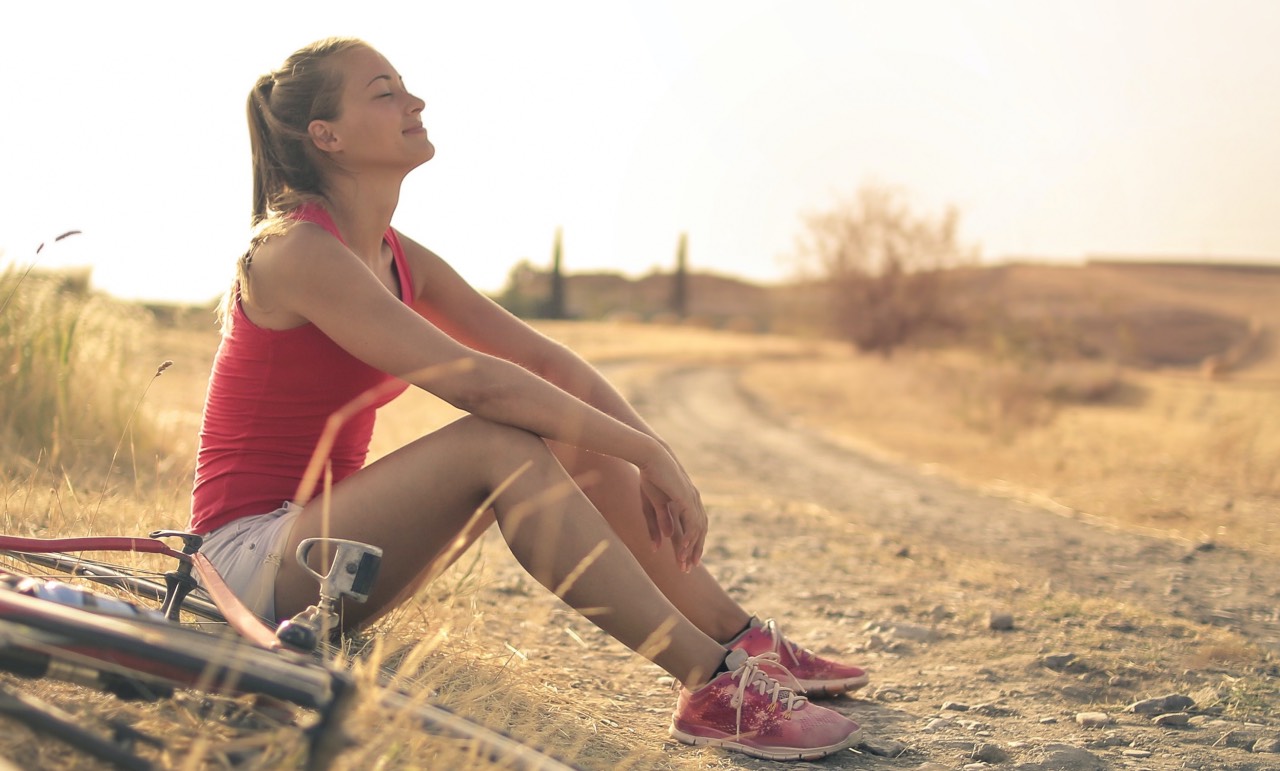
(330, 303)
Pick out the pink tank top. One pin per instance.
(270, 393)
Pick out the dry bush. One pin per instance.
(882, 268)
(1003, 399)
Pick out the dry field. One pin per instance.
(882, 511)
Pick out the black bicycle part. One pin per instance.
(178, 582)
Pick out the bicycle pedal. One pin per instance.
(352, 572)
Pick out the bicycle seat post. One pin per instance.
(178, 582)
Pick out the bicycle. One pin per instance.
(51, 629)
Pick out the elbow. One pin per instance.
(478, 393)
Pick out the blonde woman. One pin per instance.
(331, 302)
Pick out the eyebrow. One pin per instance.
(376, 78)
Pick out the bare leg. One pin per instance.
(416, 501)
(613, 486)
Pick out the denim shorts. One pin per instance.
(248, 553)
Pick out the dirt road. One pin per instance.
(721, 428)
(902, 571)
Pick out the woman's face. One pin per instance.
(381, 122)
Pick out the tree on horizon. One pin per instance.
(680, 281)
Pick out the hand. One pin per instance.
(673, 509)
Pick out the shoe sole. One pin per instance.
(767, 753)
(821, 688)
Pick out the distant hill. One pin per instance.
(1151, 314)
(714, 300)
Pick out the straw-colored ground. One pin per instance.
(1131, 542)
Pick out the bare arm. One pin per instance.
(309, 274)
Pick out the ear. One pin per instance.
(323, 136)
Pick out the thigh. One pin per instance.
(415, 504)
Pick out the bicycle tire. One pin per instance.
(151, 656)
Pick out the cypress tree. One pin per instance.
(556, 303)
(680, 282)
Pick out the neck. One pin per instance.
(362, 207)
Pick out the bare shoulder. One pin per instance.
(286, 263)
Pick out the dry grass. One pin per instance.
(1194, 459)
(1161, 449)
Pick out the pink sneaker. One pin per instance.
(747, 710)
(816, 675)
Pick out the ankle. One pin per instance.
(739, 631)
(731, 660)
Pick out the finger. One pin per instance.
(697, 549)
(686, 533)
(677, 535)
(666, 520)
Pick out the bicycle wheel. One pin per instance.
(146, 657)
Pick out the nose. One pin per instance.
(416, 105)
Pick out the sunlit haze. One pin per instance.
(1058, 130)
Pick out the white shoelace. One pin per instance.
(750, 675)
(779, 642)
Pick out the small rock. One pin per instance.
(1267, 744)
(667, 681)
(990, 753)
(1132, 753)
(1064, 757)
(955, 706)
(993, 710)
(885, 748)
(1048, 720)
(1173, 719)
(1058, 660)
(937, 724)
(1000, 621)
(973, 766)
(1239, 739)
(1093, 719)
(1173, 702)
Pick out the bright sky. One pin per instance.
(1058, 129)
